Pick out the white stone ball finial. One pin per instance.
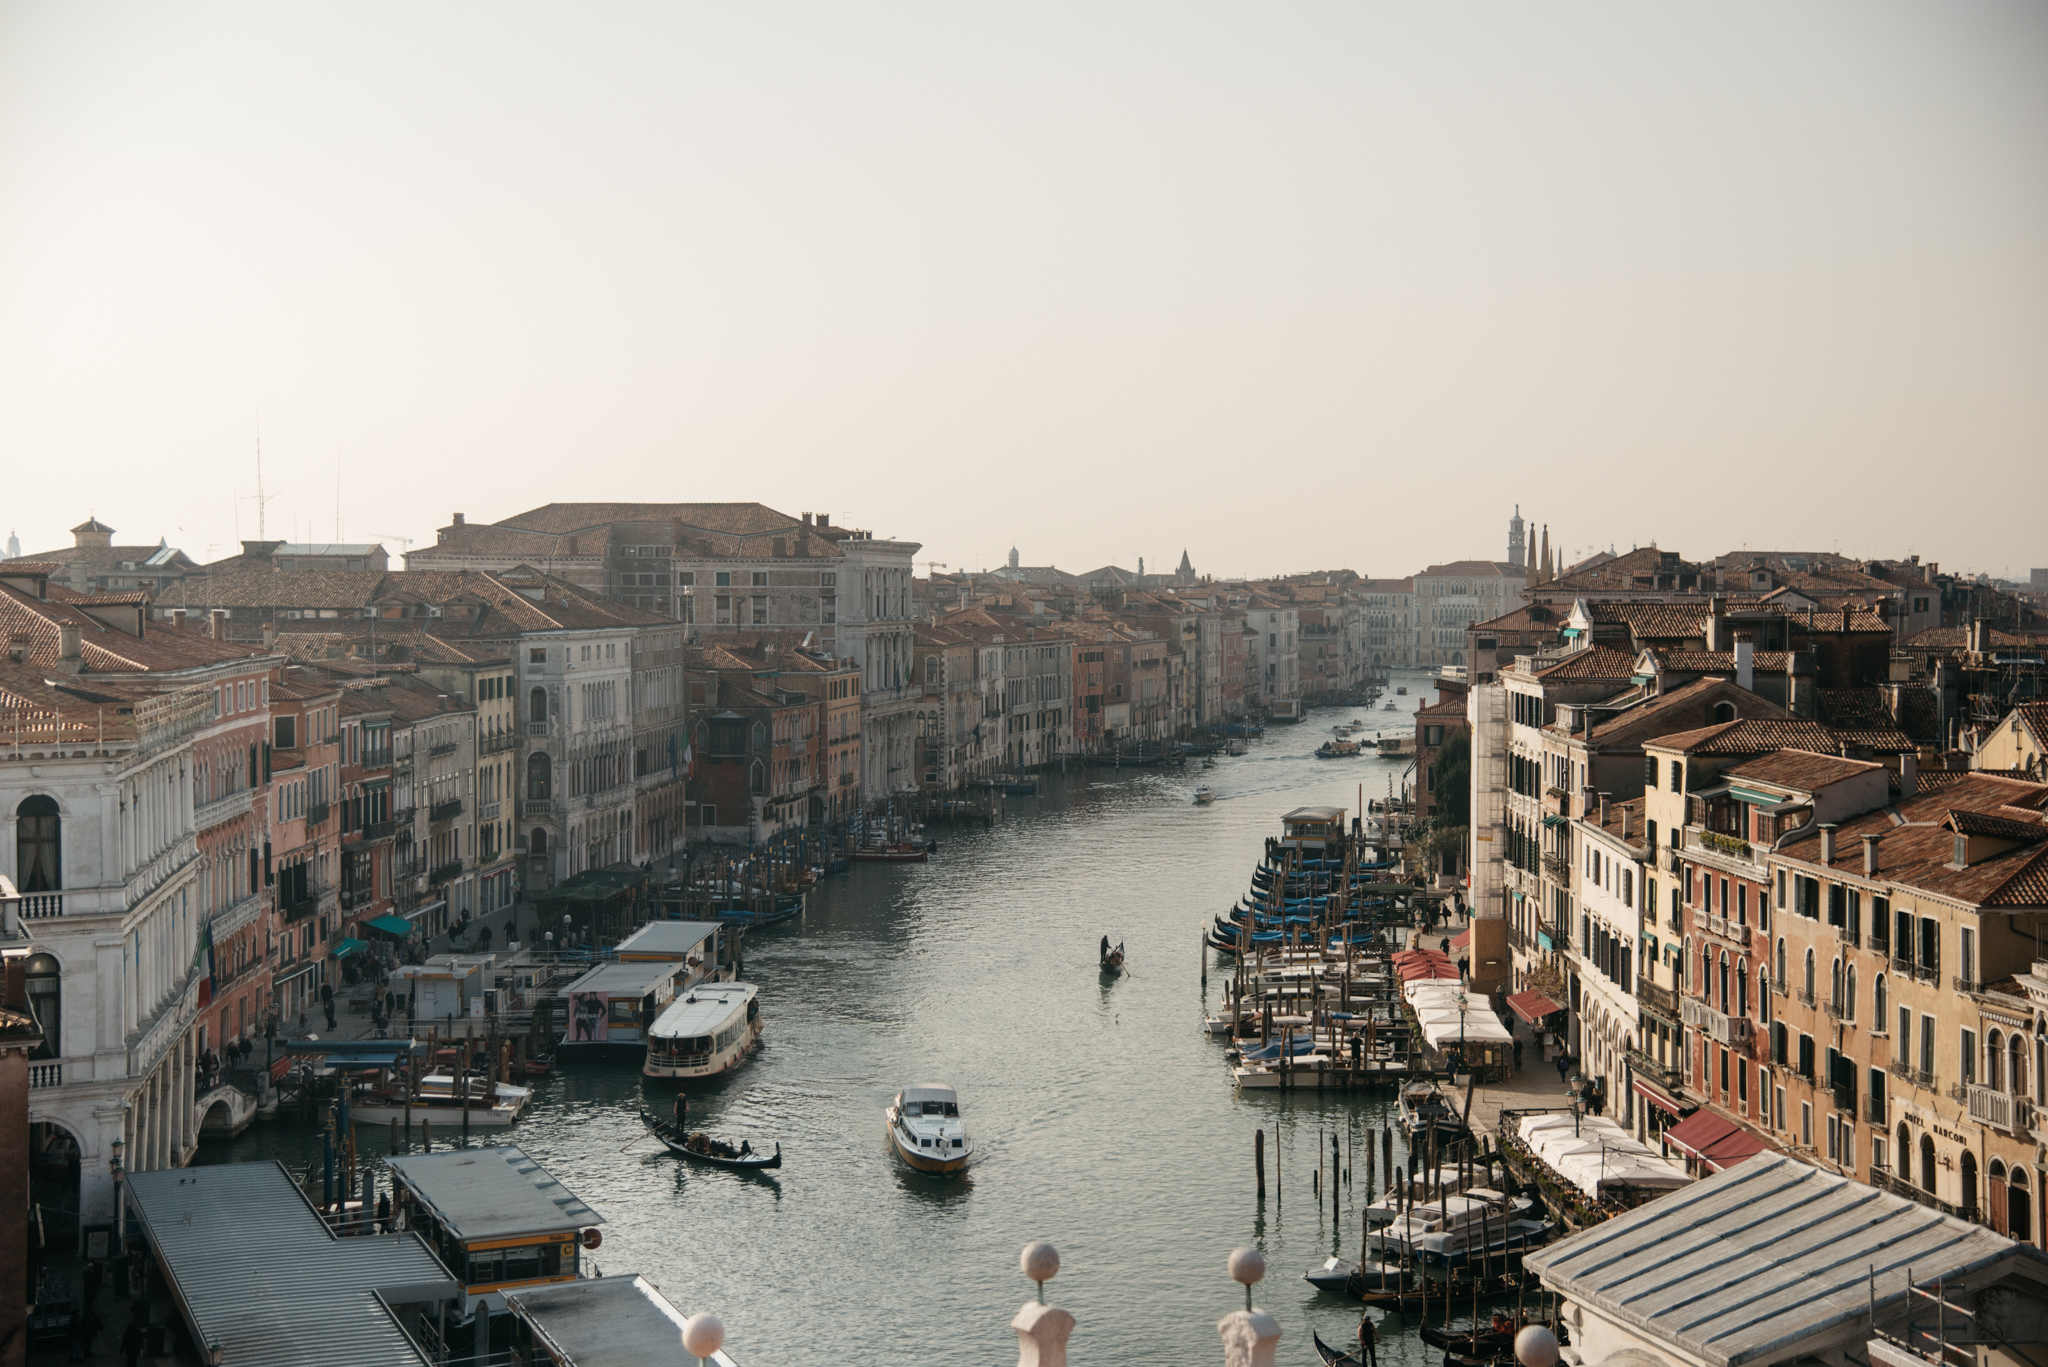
(1247, 1265)
(703, 1335)
(1536, 1346)
(1041, 1263)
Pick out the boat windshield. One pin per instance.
(940, 1108)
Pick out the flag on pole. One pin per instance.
(205, 951)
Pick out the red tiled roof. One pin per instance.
(1802, 769)
(1597, 662)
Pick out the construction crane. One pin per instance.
(404, 542)
(934, 565)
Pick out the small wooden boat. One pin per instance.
(1203, 796)
(1331, 1356)
(716, 1153)
(1112, 959)
(1020, 786)
(901, 852)
(540, 1065)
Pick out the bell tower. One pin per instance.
(1517, 543)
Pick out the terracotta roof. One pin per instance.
(1750, 736)
(1450, 709)
(740, 519)
(1957, 638)
(1655, 621)
(1477, 569)
(1638, 838)
(1720, 661)
(1598, 662)
(2034, 717)
(1695, 695)
(1998, 827)
(37, 624)
(1920, 853)
(93, 524)
(34, 709)
(1805, 770)
(1531, 617)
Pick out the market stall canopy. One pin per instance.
(1437, 1009)
(1533, 1006)
(1462, 938)
(348, 946)
(390, 925)
(1595, 1155)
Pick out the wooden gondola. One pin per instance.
(731, 1159)
(1112, 959)
(1333, 1358)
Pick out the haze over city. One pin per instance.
(1290, 288)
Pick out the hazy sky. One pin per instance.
(1291, 285)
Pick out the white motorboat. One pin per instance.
(1203, 795)
(708, 1031)
(1427, 1186)
(1447, 1214)
(1424, 1108)
(1301, 1071)
(436, 1102)
(925, 1129)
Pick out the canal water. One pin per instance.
(1103, 1116)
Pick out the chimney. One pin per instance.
(1827, 842)
(1625, 815)
(178, 618)
(824, 519)
(68, 643)
(443, 701)
(458, 519)
(1745, 660)
(217, 623)
(1870, 856)
(269, 635)
(1717, 618)
(1909, 776)
(1603, 809)
(1587, 801)
(807, 519)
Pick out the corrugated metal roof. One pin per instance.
(703, 1011)
(604, 1321)
(259, 1273)
(1747, 1265)
(666, 939)
(630, 979)
(492, 1193)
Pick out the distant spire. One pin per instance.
(1543, 570)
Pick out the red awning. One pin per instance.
(1726, 1153)
(1463, 938)
(1657, 1097)
(1695, 1135)
(1533, 1006)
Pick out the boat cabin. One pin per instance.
(611, 1006)
(597, 1322)
(708, 1030)
(446, 985)
(498, 1219)
(1312, 829)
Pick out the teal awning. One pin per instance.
(391, 925)
(1543, 942)
(348, 947)
(1549, 821)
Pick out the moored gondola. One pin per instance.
(701, 1148)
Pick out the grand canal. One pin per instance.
(1104, 1118)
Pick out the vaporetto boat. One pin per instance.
(925, 1129)
(708, 1031)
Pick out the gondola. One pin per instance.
(1112, 959)
(731, 1159)
(1331, 1356)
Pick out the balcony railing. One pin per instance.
(1660, 999)
(537, 806)
(298, 909)
(487, 811)
(445, 872)
(380, 830)
(1725, 844)
(1874, 1110)
(445, 811)
(446, 747)
(1806, 997)
(491, 745)
(1849, 935)
(316, 812)
(1926, 973)
(1906, 1072)
(352, 898)
(37, 906)
(2000, 1110)
(41, 1075)
(1833, 1008)
(1966, 985)
(1717, 1025)
(1645, 1066)
(536, 728)
(377, 759)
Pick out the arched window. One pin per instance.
(1742, 988)
(2016, 1049)
(1927, 1163)
(1849, 994)
(538, 841)
(1723, 711)
(757, 778)
(760, 739)
(1877, 1002)
(1968, 1169)
(1905, 1154)
(1994, 1060)
(931, 669)
(43, 978)
(1724, 982)
(1809, 975)
(38, 866)
(2019, 1205)
(1835, 985)
(540, 778)
(1782, 975)
(537, 705)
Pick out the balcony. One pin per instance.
(1844, 1099)
(1716, 1025)
(2000, 1110)
(1849, 935)
(491, 745)
(1725, 844)
(536, 728)
(298, 909)
(444, 811)
(41, 1075)
(316, 812)
(1660, 999)
(380, 830)
(1874, 1111)
(377, 759)
(537, 806)
(1735, 931)
(1558, 867)
(1926, 973)
(446, 747)
(1966, 985)
(487, 811)
(38, 906)
(355, 898)
(444, 873)
(1666, 1074)
(1781, 987)
(221, 809)
(1906, 1072)
(1833, 1009)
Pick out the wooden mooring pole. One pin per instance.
(1259, 1159)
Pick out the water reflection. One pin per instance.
(1103, 1116)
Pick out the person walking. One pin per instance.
(1518, 1053)
(1564, 1066)
(1368, 1340)
(132, 1340)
